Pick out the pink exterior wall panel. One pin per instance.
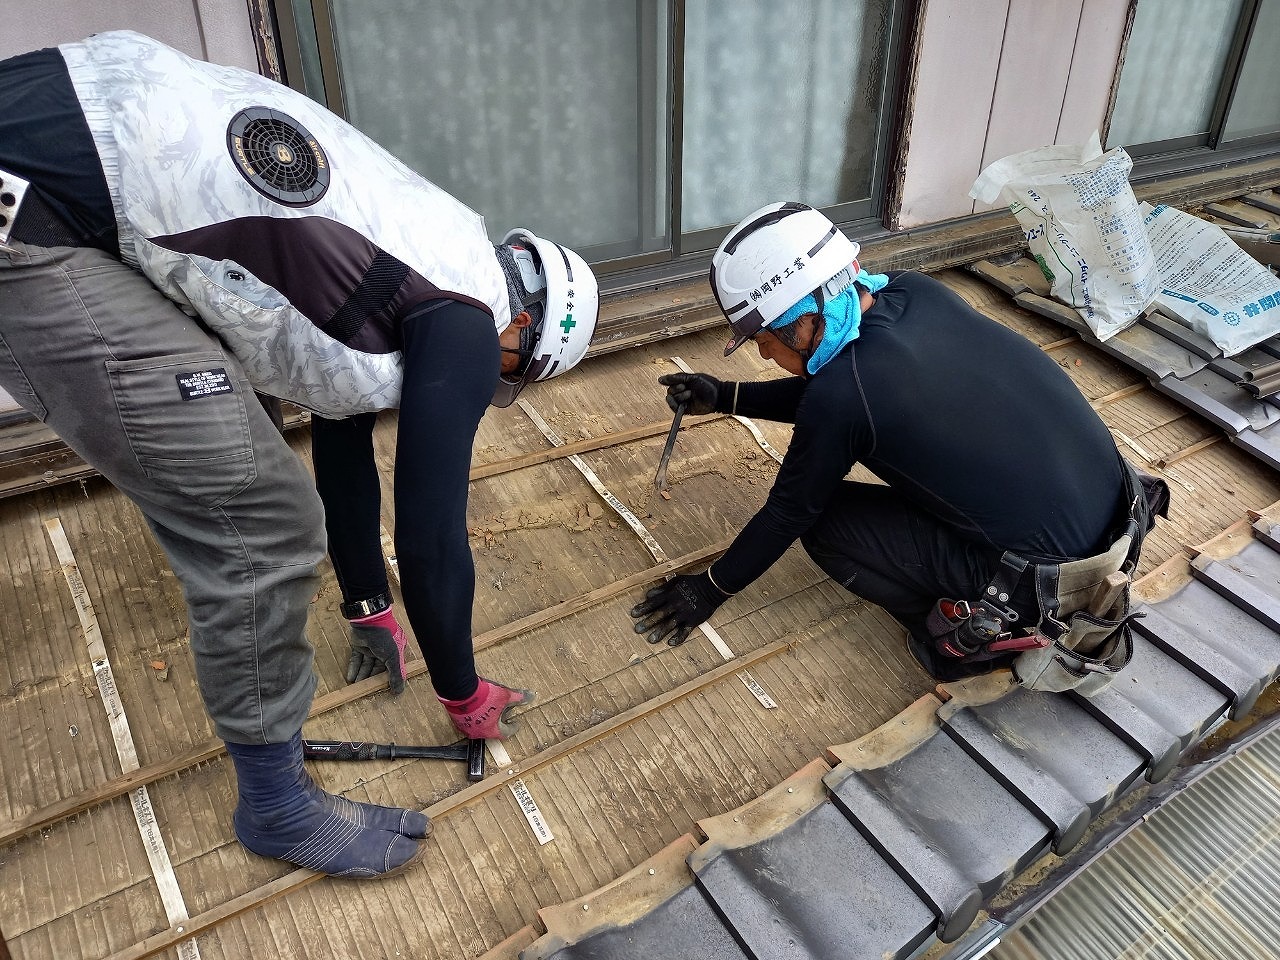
(1035, 62)
(997, 77)
(959, 59)
(1093, 70)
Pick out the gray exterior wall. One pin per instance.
(216, 30)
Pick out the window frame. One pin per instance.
(1159, 158)
(685, 253)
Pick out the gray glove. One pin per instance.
(377, 644)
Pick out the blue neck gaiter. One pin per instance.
(842, 314)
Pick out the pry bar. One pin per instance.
(660, 481)
(470, 752)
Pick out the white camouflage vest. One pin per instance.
(192, 150)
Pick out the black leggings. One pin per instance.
(451, 367)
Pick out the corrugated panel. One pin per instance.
(1199, 881)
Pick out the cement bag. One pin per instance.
(1082, 225)
(1210, 284)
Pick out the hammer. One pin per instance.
(470, 752)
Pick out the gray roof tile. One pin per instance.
(1050, 753)
(654, 910)
(946, 825)
(797, 881)
(1151, 354)
(1218, 399)
(814, 891)
(935, 812)
(1158, 706)
(1214, 638)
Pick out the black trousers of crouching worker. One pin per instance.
(878, 545)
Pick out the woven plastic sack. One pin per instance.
(1210, 284)
(1083, 226)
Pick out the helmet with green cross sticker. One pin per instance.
(563, 286)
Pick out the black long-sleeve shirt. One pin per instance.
(963, 416)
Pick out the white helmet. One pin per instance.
(571, 306)
(772, 260)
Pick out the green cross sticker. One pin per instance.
(568, 323)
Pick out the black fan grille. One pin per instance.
(278, 157)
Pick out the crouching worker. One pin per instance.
(1004, 506)
(175, 236)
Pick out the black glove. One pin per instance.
(675, 608)
(697, 391)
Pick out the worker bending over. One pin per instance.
(178, 235)
(997, 474)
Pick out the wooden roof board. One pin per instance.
(139, 607)
(1239, 212)
(1162, 427)
(707, 753)
(83, 888)
(612, 801)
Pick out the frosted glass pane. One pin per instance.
(527, 112)
(781, 102)
(1255, 109)
(1172, 69)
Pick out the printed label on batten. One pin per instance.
(753, 685)
(531, 812)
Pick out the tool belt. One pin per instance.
(1081, 639)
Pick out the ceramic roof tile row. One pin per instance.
(928, 817)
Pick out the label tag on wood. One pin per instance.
(758, 691)
(529, 807)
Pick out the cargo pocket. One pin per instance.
(185, 418)
(16, 384)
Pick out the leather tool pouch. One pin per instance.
(1090, 643)
(1083, 639)
(1087, 647)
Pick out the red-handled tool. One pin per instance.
(1031, 641)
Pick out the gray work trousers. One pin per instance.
(152, 400)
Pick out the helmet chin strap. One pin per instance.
(792, 343)
(529, 334)
(528, 337)
(809, 351)
(814, 339)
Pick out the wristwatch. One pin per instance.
(366, 608)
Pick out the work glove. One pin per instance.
(697, 391)
(485, 715)
(377, 644)
(672, 610)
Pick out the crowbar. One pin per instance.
(660, 481)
